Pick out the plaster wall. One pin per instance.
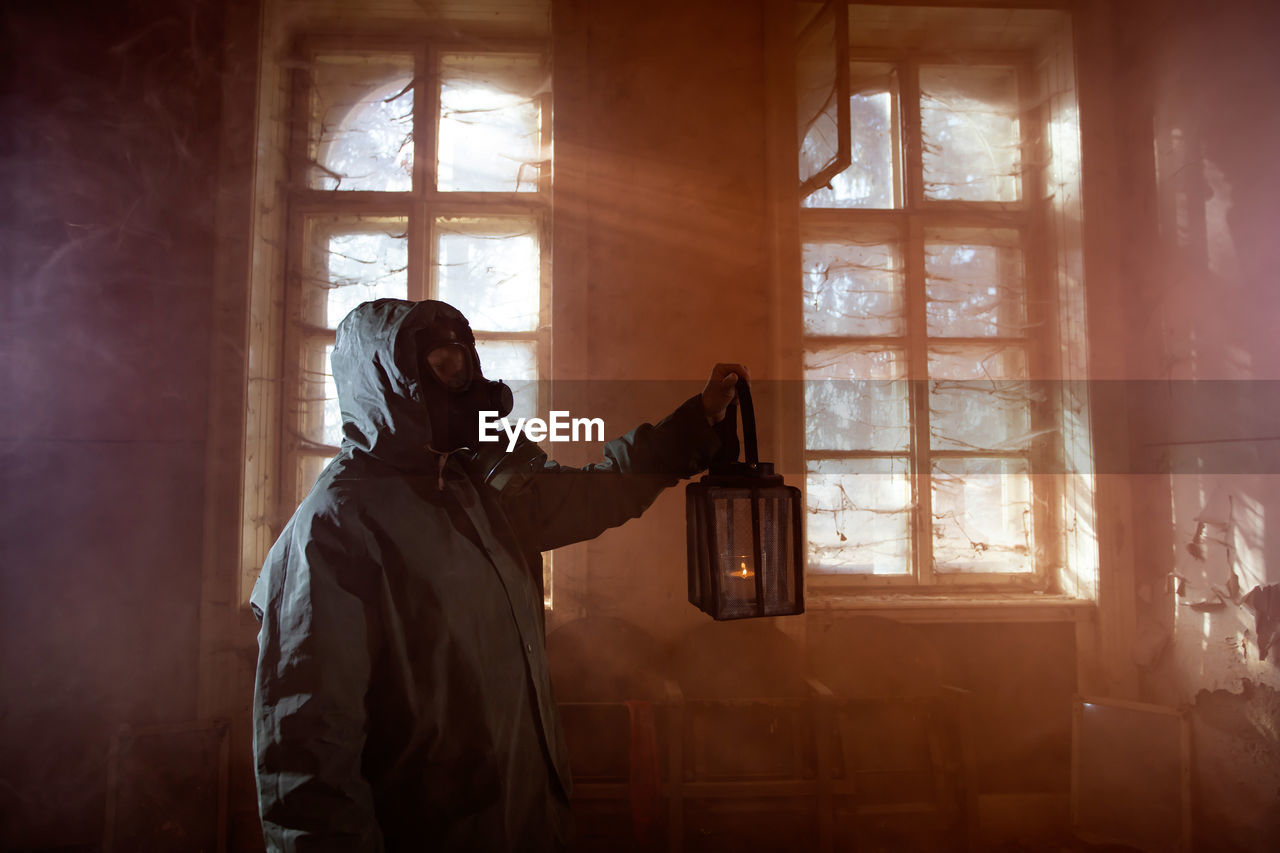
(677, 272)
(108, 251)
(1200, 104)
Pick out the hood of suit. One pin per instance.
(390, 409)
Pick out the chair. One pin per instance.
(898, 766)
(606, 682)
(745, 770)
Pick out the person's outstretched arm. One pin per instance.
(558, 505)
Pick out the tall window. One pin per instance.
(932, 311)
(416, 171)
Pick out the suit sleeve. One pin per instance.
(314, 662)
(558, 505)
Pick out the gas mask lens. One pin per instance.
(451, 364)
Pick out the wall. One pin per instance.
(677, 273)
(671, 129)
(110, 169)
(1201, 111)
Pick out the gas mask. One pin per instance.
(454, 388)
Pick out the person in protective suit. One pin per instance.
(402, 698)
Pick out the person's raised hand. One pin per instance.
(720, 390)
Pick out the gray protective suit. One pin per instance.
(402, 699)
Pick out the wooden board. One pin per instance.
(1131, 774)
(166, 789)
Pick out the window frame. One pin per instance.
(913, 216)
(279, 332)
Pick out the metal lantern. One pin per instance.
(745, 537)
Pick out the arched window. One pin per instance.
(416, 168)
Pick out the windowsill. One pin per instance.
(976, 607)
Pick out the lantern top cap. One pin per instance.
(742, 474)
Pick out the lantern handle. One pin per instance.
(748, 422)
(753, 473)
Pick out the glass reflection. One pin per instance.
(361, 123)
(859, 516)
(490, 123)
(852, 289)
(969, 122)
(489, 268)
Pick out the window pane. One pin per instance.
(855, 398)
(982, 516)
(353, 259)
(859, 516)
(979, 397)
(969, 120)
(319, 421)
(309, 468)
(489, 268)
(515, 363)
(853, 288)
(332, 432)
(490, 122)
(974, 283)
(870, 180)
(361, 123)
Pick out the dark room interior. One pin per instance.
(998, 269)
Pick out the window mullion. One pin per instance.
(543, 351)
(917, 348)
(909, 96)
(419, 281)
(427, 120)
(424, 111)
(918, 376)
(428, 202)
